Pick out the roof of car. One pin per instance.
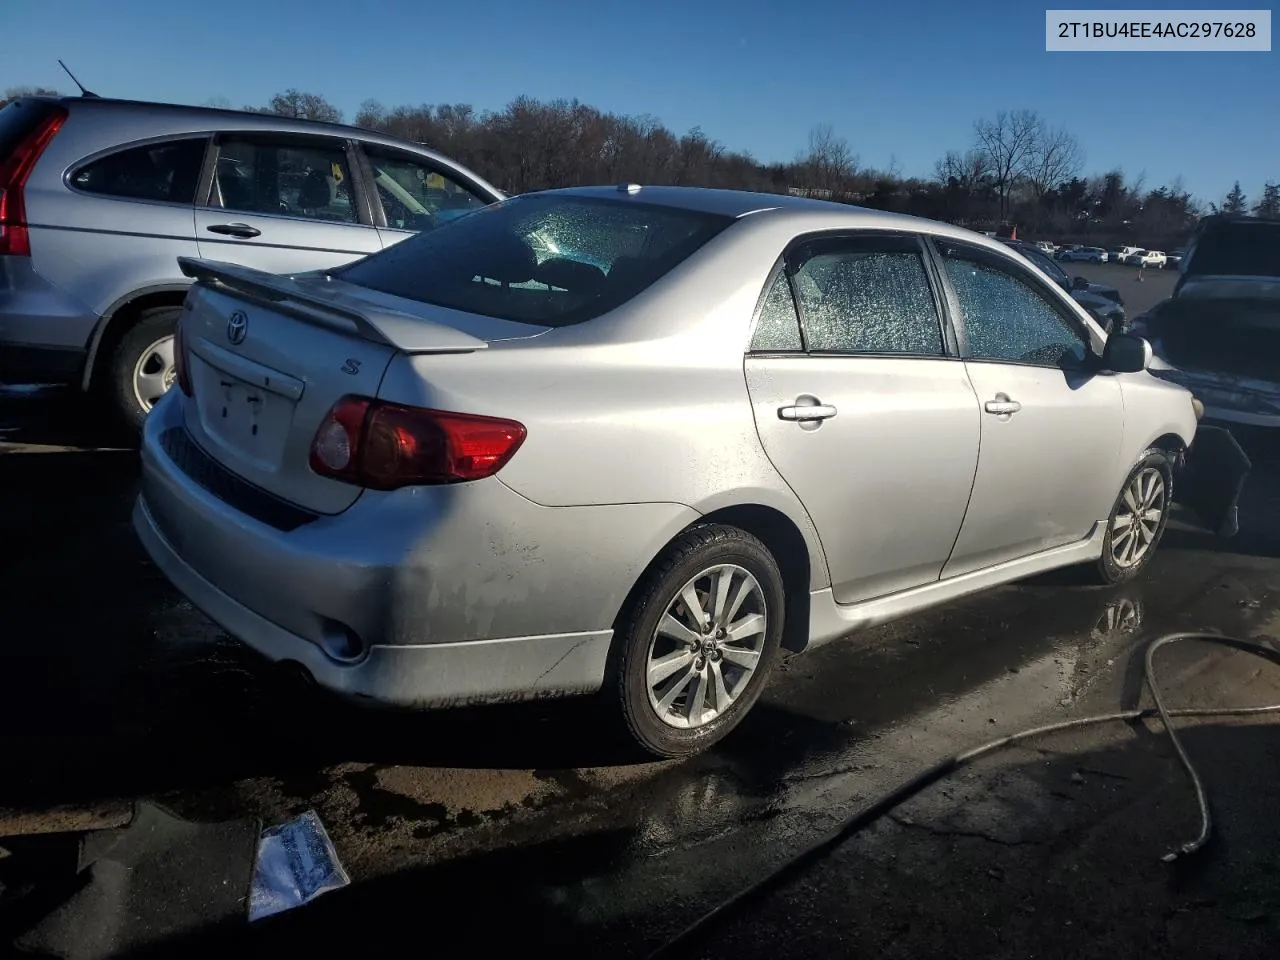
(265, 119)
(218, 119)
(742, 203)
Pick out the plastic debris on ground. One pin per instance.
(296, 863)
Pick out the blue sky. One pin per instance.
(898, 79)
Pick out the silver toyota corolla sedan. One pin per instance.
(639, 439)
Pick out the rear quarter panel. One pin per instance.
(646, 405)
(102, 249)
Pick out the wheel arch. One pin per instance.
(1174, 446)
(782, 538)
(119, 318)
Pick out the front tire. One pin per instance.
(142, 368)
(1138, 519)
(698, 640)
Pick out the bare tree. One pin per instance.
(304, 106)
(372, 115)
(14, 93)
(1008, 141)
(1055, 157)
(968, 170)
(830, 163)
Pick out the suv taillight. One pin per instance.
(384, 446)
(14, 171)
(181, 372)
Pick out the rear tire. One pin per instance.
(142, 365)
(1137, 519)
(738, 588)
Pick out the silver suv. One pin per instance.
(99, 198)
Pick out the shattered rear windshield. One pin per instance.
(1240, 249)
(545, 260)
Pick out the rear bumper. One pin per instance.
(427, 675)
(44, 332)
(461, 594)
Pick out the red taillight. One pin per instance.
(14, 170)
(181, 372)
(386, 445)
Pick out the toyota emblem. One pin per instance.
(237, 327)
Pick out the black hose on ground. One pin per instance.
(868, 815)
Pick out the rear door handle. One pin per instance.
(1002, 406)
(804, 412)
(235, 230)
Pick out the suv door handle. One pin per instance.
(1002, 406)
(806, 412)
(235, 230)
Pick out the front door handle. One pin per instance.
(235, 230)
(1002, 406)
(806, 412)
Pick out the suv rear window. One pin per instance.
(167, 172)
(1237, 249)
(546, 260)
(18, 120)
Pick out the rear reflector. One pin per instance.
(15, 241)
(384, 446)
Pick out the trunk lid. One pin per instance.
(268, 357)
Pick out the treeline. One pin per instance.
(1018, 169)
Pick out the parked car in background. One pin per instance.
(1086, 255)
(1174, 259)
(1107, 311)
(1125, 253)
(1219, 334)
(101, 197)
(400, 447)
(1153, 258)
(1114, 254)
(1133, 258)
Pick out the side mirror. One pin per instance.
(1126, 353)
(1079, 283)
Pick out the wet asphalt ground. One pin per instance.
(521, 827)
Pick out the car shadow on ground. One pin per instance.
(1061, 838)
(59, 417)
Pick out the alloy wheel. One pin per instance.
(1138, 519)
(707, 646)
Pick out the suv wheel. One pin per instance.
(142, 368)
(698, 641)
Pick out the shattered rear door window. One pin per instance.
(867, 295)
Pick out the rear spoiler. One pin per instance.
(402, 331)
